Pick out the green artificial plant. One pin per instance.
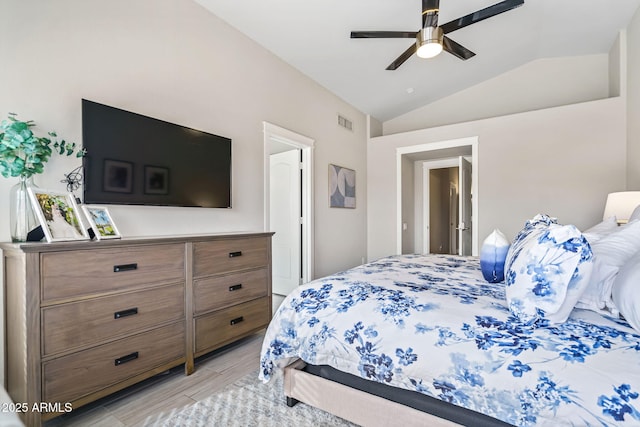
(22, 153)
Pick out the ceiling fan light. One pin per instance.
(429, 42)
(429, 50)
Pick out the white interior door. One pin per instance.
(453, 217)
(464, 206)
(285, 206)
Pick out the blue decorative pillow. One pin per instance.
(493, 255)
(548, 269)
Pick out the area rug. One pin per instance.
(247, 402)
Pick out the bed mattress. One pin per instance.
(431, 324)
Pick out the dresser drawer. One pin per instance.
(79, 374)
(93, 321)
(213, 293)
(222, 256)
(75, 273)
(219, 328)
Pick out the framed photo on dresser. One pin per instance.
(58, 215)
(101, 222)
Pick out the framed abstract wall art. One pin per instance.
(342, 187)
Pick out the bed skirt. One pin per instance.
(344, 395)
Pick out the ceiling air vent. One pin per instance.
(345, 123)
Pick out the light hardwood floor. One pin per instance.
(137, 404)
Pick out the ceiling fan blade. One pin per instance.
(430, 10)
(456, 49)
(402, 58)
(383, 34)
(481, 15)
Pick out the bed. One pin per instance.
(432, 326)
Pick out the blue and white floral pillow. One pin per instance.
(525, 235)
(548, 268)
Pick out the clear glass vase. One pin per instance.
(22, 218)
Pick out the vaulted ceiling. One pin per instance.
(314, 37)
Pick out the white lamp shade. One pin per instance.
(621, 205)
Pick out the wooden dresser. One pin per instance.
(85, 319)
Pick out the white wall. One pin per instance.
(633, 103)
(560, 161)
(173, 60)
(539, 84)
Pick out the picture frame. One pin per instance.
(156, 180)
(101, 222)
(58, 215)
(117, 176)
(342, 187)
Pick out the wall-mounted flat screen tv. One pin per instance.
(133, 159)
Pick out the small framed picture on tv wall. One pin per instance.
(118, 176)
(156, 180)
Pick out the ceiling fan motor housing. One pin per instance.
(429, 42)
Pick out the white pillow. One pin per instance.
(549, 269)
(610, 253)
(635, 215)
(601, 229)
(626, 291)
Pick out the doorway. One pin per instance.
(447, 206)
(288, 201)
(285, 218)
(441, 215)
(412, 201)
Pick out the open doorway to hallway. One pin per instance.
(453, 202)
(288, 208)
(447, 206)
(442, 217)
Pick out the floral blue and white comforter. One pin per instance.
(432, 324)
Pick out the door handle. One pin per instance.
(462, 226)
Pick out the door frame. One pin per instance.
(305, 145)
(434, 146)
(464, 210)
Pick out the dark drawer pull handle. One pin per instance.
(235, 254)
(125, 313)
(127, 358)
(125, 267)
(236, 320)
(235, 287)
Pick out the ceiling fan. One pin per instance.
(431, 38)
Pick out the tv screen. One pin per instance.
(138, 160)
